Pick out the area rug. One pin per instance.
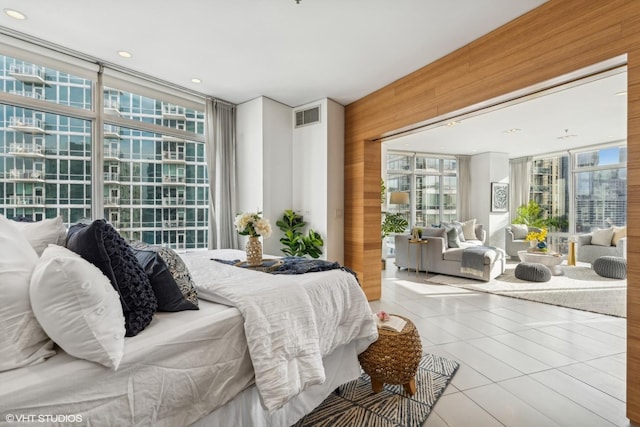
(579, 287)
(355, 404)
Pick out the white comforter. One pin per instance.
(291, 321)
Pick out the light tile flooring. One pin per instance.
(522, 363)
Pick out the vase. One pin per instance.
(254, 251)
(533, 243)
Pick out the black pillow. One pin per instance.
(176, 266)
(100, 244)
(164, 285)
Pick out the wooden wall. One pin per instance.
(557, 38)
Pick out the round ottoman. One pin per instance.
(393, 358)
(612, 267)
(533, 272)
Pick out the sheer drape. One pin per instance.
(520, 181)
(221, 166)
(464, 185)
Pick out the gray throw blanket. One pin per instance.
(473, 260)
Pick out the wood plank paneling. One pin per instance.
(557, 38)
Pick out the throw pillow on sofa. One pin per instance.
(458, 226)
(77, 307)
(22, 341)
(453, 238)
(469, 230)
(618, 233)
(519, 231)
(100, 244)
(602, 237)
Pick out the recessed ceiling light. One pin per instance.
(512, 130)
(124, 54)
(453, 123)
(196, 80)
(15, 14)
(621, 93)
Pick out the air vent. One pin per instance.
(308, 116)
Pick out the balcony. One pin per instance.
(26, 149)
(170, 138)
(172, 179)
(26, 124)
(173, 112)
(111, 153)
(112, 132)
(173, 201)
(111, 106)
(28, 94)
(173, 223)
(26, 200)
(26, 175)
(173, 157)
(27, 73)
(112, 201)
(112, 177)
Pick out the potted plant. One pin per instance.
(295, 241)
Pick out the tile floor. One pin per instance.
(522, 363)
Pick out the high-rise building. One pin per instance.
(154, 183)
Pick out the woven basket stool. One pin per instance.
(393, 358)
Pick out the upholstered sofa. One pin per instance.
(436, 256)
(605, 242)
(514, 238)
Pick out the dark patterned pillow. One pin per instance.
(176, 267)
(100, 244)
(169, 296)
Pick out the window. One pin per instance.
(153, 155)
(600, 179)
(431, 182)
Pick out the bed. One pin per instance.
(197, 367)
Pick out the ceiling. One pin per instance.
(241, 49)
(580, 114)
(296, 53)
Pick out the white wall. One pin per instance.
(282, 167)
(485, 169)
(318, 171)
(264, 157)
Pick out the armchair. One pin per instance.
(588, 252)
(514, 239)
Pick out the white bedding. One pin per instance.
(291, 321)
(180, 368)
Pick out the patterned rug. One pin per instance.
(579, 287)
(355, 404)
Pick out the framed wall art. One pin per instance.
(499, 197)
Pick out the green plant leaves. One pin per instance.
(294, 240)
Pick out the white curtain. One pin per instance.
(519, 183)
(220, 133)
(464, 187)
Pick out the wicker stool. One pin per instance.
(612, 267)
(394, 358)
(532, 272)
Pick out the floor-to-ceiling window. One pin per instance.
(583, 190)
(431, 181)
(154, 178)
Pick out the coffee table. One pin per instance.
(550, 259)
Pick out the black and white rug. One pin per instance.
(356, 404)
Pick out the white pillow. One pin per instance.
(618, 233)
(78, 307)
(42, 233)
(22, 340)
(519, 231)
(602, 237)
(469, 229)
